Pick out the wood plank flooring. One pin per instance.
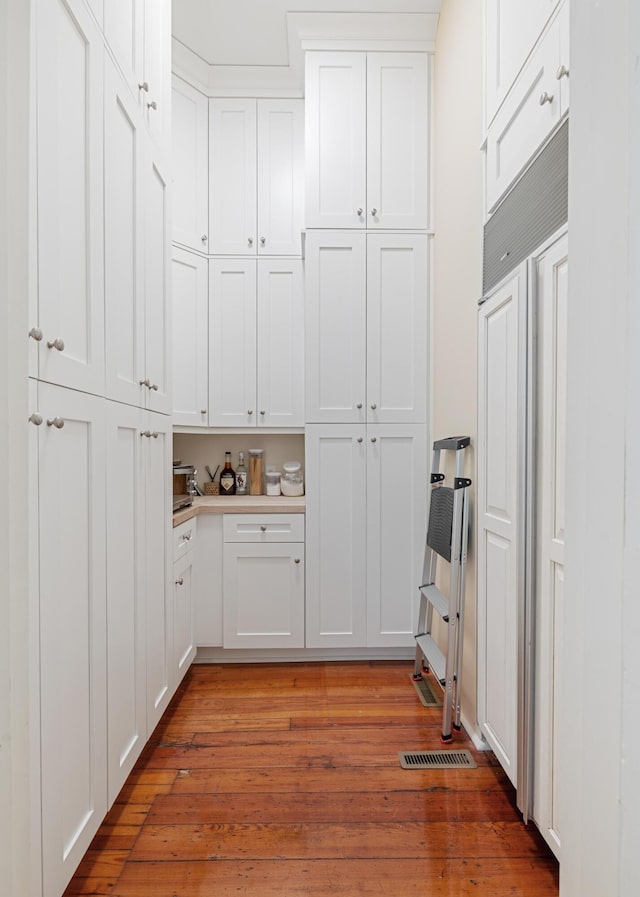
(283, 780)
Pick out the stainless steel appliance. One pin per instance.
(184, 485)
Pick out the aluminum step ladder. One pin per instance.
(446, 541)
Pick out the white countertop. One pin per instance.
(241, 504)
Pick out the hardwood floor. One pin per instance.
(283, 780)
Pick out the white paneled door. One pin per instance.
(551, 279)
(190, 166)
(501, 406)
(190, 338)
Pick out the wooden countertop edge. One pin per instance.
(240, 504)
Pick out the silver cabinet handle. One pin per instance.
(359, 438)
(250, 241)
(546, 98)
(144, 86)
(36, 334)
(359, 406)
(35, 418)
(152, 105)
(373, 406)
(359, 212)
(57, 422)
(154, 387)
(250, 412)
(155, 434)
(374, 212)
(563, 72)
(296, 560)
(146, 433)
(203, 411)
(146, 382)
(180, 582)
(187, 536)
(263, 527)
(56, 344)
(374, 439)
(204, 238)
(263, 240)
(263, 413)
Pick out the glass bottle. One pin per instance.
(227, 477)
(241, 476)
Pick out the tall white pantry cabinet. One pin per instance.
(100, 444)
(367, 345)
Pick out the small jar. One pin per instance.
(256, 466)
(272, 481)
(291, 481)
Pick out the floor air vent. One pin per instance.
(436, 760)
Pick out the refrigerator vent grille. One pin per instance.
(436, 760)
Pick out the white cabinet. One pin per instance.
(184, 649)
(208, 582)
(68, 320)
(72, 688)
(263, 576)
(367, 140)
(536, 103)
(256, 159)
(366, 325)
(190, 338)
(257, 342)
(500, 448)
(366, 511)
(190, 165)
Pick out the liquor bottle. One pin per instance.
(227, 477)
(241, 476)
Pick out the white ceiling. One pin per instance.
(236, 42)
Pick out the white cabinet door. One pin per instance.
(71, 533)
(190, 338)
(126, 672)
(156, 285)
(190, 136)
(69, 147)
(336, 597)
(550, 294)
(335, 323)
(123, 243)
(157, 565)
(397, 338)
(156, 93)
(232, 341)
(397, 140)
(280, 364)
(263, 588)
(232, 177)
(396, 519)
(335, 141)
(500, 448)
(280, 159)
(184, 649)
(208, 582)
(124, 31)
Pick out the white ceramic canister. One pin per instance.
(292, 481)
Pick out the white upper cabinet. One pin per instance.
(367, 140)
(124, 31)
(69, 319)
(190, 160)
(255, 176)
(366, 325)
(190, 338)
(533, 107)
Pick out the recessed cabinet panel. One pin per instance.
(232, 173)
(157, 65)
(156, 267)
(190, 338)
(184, 649)
(69, 104)
(190, 136)
(123, 29)
(280, 176)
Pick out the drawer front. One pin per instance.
(184, 537)
(263, 527)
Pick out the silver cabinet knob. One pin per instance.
(146, 433)
(35, 418)
(180, 582)
(57, 422)
(546, 98)
(146, 382)
(152, 105)
(263, 527)
(374, 212)
(359, 438)
(373, 406)
(359, 406)
(263, 413)
(374, 439)
(187, 536)
(563, 72)
(204, 238)
(250, 241)
(296, 560)
(153, 386)
(36, 334)
(144, 86)
(203, 411)
(263, 240)
(56, 344)
(155, 434)
(359, 212)
(250, 412)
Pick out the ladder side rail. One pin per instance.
(452, 626)
(461, 603)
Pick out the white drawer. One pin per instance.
(184, 537)
(263, 527)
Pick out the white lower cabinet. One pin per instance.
(263, 581)
(70, 531)
(366, 511)
(208, 582)
(184, 649)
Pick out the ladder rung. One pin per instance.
(433, 655)
(438, 599)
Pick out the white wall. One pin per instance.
(458, 258)
(14, 753)
(600, 685)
